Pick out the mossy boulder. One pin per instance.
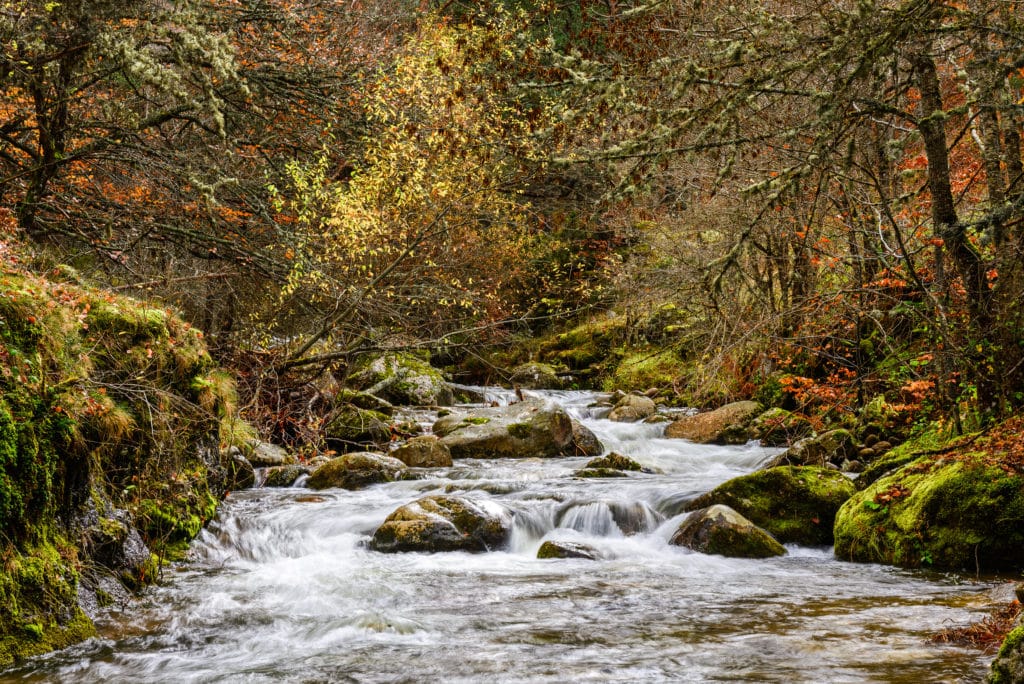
(427, 451)
(352, 428)
(356, 471)
(534, 375)
(444, 523)
(779, 427)
(403, 379)
(795, 504)
(632, 408)
(725, 425)
(567, 549)
(1008, 666)
(722, 531)
(948, 512)
(531, 428)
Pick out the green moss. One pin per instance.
(934, 438)
(105, 402)
(644, 369)
(962, 514)
(519, 430)
(795, 504)
(476, 420)
(1008, 666)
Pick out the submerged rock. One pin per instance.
(531, 428)
(284, 476)
(424, 452)
(632, 408)
(567, 549)
(953, 511)
(443, 523)
(612, 465)
(726, 425)
(794, 504)
(356, 471)
(721, 530)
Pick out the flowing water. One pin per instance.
(282, 589)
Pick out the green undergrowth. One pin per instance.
(106, 404)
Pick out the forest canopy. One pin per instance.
(827, 197)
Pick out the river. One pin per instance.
(282, 589)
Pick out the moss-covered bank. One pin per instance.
(110, 415)
(953, 508)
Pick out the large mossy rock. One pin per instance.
(725, 425)
(531, 428)
(427, 451)
(111, 416)
(795, 504)
(403, 379)
(356, 471)
(1008, 666)
(444, 523)
(958, 512)
(722, 531)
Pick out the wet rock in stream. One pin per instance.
(443, 523)
(721, 530)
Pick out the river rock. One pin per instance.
(402, 378)
(356, 471)
(612, 465)
(794, 504)
(632, 408)
(266, 455)
(531, 428)
(779, 427)
(726, 425)
(444, 523)
(284, 476)
(567, 549)
(953, 511)
(1008, 666)
(363, 400)
(427, 451)
(834, 446)
(584, 441)
(721, 530)
(533, 375)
